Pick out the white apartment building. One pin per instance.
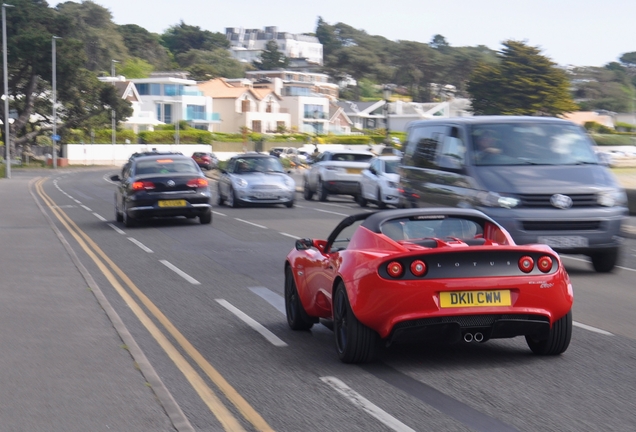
(247, 44)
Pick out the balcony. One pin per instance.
(203, 117)
(315, 115)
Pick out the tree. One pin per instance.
(204, 65)
(135, 68)
(145, 45)
(439, 43)
(523, 83)
(271, 58)
(83, 100)
(182, 38)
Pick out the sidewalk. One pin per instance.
(67, 363)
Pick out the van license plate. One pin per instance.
(564, 242)
(172, 203)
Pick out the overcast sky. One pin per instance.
(576, 32)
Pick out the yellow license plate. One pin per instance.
(455, 299)
(354, 170)
(172, 203)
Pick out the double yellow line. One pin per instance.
(111, 271)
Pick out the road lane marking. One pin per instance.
(331, 212)
(366, 405)
(225, 417)
(116, 229)
(592, 329)
(86, 208)
(270, 297)
(181, 273)
(218, 213)
(290, 235)
(100, 217)
(271, 337)
(251, 223)
(140, 244)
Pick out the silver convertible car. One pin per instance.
(255, 178)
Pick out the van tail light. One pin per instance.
(544, 264)
(197, 183)
(395, 269)
(526, 264)
(418, 268)
(142, 185)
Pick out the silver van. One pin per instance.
(539, 177)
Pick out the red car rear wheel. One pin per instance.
(558, 339)
(355, 342)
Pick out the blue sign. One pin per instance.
(55, 137)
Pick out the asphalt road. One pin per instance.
(204, 304)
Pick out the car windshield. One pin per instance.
(531, 144)
(414, 228)
(165, 166)
(265, 165)
(352, 157)
(391, 166)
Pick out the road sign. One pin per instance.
(55, 137)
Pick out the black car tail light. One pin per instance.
(418, 268)
(197, 183)
(142, 185)
(544, 264)
(395, 269)
(526, 264)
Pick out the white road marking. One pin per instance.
(116, 229)
(220, 214)
(100, 217)
(330, 212)
(251, 223)
(592, 329)
(587, 261)
(270, 297)
(290, 235)
(366, 405)
(181, 273)
(77, 201)
(140, 244)
(271, 337)
(86, 208)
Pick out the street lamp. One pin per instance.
(54, 137)
(386, 92)
(114, 126)
(5, 96)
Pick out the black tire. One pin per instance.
(119, 217)
(297, 317)
(128, 221)
(231, 200)
(355, 342)
(307, 193)
(362, 201)
(289, 204)
(321, 191)
(604, 262)
(381, 204)
(558, 338)
(219, 196)
(206, 218)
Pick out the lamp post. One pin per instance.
(54, 137)
(5, 96)
(114, 126)
(386, 92)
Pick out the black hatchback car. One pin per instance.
(162, 185)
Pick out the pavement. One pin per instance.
(67, 362)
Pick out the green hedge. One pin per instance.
(187, 136)
(614, 139)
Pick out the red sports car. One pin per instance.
(418, 275)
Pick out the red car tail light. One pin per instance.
(526, 264)
(197, 183)
(142, 185)
(395, 269)
(544, 264)
(418, 268)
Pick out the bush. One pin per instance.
(613, 139)
(188, 136)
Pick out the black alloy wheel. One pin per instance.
(355, 342)
(558, 338)
(297, 317)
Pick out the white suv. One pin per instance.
(336, 172)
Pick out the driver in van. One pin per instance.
(486, 145)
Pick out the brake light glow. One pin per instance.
(526, 264)
(197, 183)
(142, 185)
(395, 269)
(418, 268)
(544, 264)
